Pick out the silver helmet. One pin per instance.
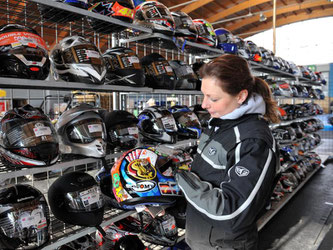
(82, 132)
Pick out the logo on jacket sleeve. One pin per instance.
(212, 151)
(241, 171)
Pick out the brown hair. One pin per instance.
(234, 75)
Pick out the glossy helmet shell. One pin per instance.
(75, 59)
(119, 9)
(156, 124)
(156, 16)
(184, 25)
(82, 131)
(225, 41)
(159, 73)
(27, 138)
(255, 53)
(187, 122)
(23, 53)
(75, 198)
(186, 78)
(123, 67)
(138, 179)
(24, 218)
(206, 33)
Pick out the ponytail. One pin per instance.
(261, 87)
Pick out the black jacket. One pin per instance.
(231, 179)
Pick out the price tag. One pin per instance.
(167, 121)
(93, 128)
(169, 225)
(34, 218)
(168, 69)
(92, 54)
(133, 130)
(89, 196)
(133, 59)
(41, 131)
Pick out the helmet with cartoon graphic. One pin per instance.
(187, 122)
(138, 178)
(75, 59)
(206, 33)
(24, 218)
(23, 53)
(28, 138)
(156, 124)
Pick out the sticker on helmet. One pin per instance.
(169, 188)
(90, 196)
(143, 186)
(35, 218)
(168, 69)
(141, 169)
(95, 128)
(42, 130)
(133, 130)
(92, 54)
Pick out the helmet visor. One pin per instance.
(188, 119)
(124, 133)
(167, 123)
(85, 53)
(85, 200)
(86, 131)
(30, 134)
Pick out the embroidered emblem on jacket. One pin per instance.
(212, 151)
(241, 171)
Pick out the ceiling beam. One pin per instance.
(290, 19)
(239, 7)
(279, 11)
(196, 5)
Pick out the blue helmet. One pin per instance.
(226, 41)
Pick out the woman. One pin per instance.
(233, 174)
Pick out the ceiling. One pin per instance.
(242, 17)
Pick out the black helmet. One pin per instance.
(156, 16)
(82, 131)
(187, 122)
(206, 33)
(123, 67)
(118, 9)
(85, 242)
(75, 59)
(61, 15)
(75, 198)
(156, 124)
(121, 129)
(27, 138)
(184, 25)
(202, 114)
(186, 78)
(23, 53)
(24, 218)
(159, 74)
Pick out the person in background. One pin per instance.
(236, 166)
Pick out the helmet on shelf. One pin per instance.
(75, 198)
(242, 48)
(159, 73)
(156, 124)
(187, 122)
(186, 78)
(85, 242)
(267, 57)
(62, 15)
(119, 9)
(28, 138)
(206, 33)
(156, 16)
(82, 131)
(123, 67)
(23, 53)
(184, 25)
(75, 59)
(121, 127)
(226, 41)
(255, 52)
(24, 218)
(202, 114)
(138, 178)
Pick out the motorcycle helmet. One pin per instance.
(118, 9)
(255, 53)
(121, 127)
(61, 15)
(156, 124)
(202, 114)
(123, 67)
(159, 73)
(225, 41)
(155, 16)
(75, 59)
(267, 57)
(321, 78)
(27, 138)
(23, 53)
(138, 179)
(184, 25)
(24, 218)
(188, 123)
(186, 78)
(242, 48)
(206, 33)
(75, 198)
(85, 242)
(82, 131)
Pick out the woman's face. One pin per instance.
(216, 101)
